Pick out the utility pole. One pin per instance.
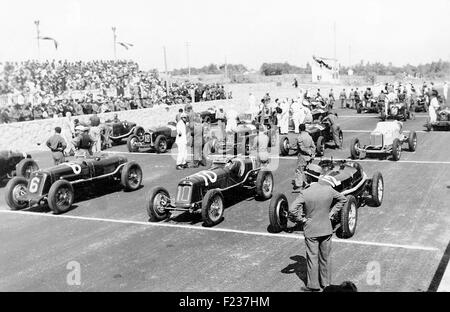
(349, 56)
(187, 57)
(37, 38)
(334, 39)
(226, 69)
(165, 69)
(114, 40)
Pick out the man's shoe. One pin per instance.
(186, 165)
(307, 289)
(179, 167)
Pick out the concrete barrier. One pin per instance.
(30, 136)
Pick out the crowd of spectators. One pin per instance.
(37, 90)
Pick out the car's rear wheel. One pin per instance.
(284, 146)
(15, 188)
(157, 200)
(132, 142)
(320, 146)
(354, 148)
(377, 189)
(412, 141)
(161, 144)
(131, 176)
(349, 218)
(278, 213)
(60, 196)
(264, 184)
(396, 149)
(212, 208)
(26, 167)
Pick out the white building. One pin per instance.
(324, 70)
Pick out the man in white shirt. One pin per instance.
(434, 106)
(181, 141)
(284, 117)
(298, 115)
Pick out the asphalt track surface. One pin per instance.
(109, 235)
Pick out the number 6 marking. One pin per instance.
(34, 183)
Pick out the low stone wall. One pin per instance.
(31, 135)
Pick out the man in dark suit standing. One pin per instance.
(313, 207)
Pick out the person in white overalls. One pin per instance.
(434, 106)
(181, 141)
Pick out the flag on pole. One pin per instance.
(125, 45)
(49, 38)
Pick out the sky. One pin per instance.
(245, 32)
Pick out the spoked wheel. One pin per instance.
(412, 141)
(132, 144)
(161, 144)
(157, 201)
(349, 218)
(264, 184)
(284, 146)
(278, 213)
(212, 208)
(354, 148)
(131, 176)
(60, 196)
(377, 190)
(15, 189)
(26, 167)
(396, 149)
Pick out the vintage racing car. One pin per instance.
(158, 139)
(321, 134)
(350, 180)
(55, 186)
(13, 163)
(442, 121)
(123, 129)
(396, 110)
(209, 116)
(204, 191)
(370, 106)
(387, 138)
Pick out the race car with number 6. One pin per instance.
(55, 186)
(205, 191)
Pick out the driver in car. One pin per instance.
(306, 151)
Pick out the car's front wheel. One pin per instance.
(396, 149)
(264, 184)
(157, 200)
(132, 144)
(131, 176)
(15, 188)
(60, 196)
(161, 144)
(278, 213)
(354, 148)
(349, 218)
(377, 189)
(412, 141)
(26, 167)
(284, 146)
(212, 208)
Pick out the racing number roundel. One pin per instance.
(76, 168)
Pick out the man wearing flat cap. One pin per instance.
(314, 208)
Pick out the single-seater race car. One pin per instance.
(157, 139)
(386, 139)
(123, 129)
(205, 191)
(13, 163)
(321, 134)
(350, 180)
(442, 121)
(370, 106)
(55, 186)
(209, 116)
(396, 110)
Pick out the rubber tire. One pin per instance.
(358, 110)
(283, 150)
(9, 196)
(130, 147)
(320, 146)
(412, 137)
(354, 154)
(158, 140)
(153, 214)
(259, 184)
(277, 225)
(344, 231)
(139, 131)
(206, 205)
(52, 196)
(124, 181)
(376, 178)
(22, 166)
(396, 145)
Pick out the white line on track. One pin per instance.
(216, 229)
(373, 116)
(425, 162)
(369, 131)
